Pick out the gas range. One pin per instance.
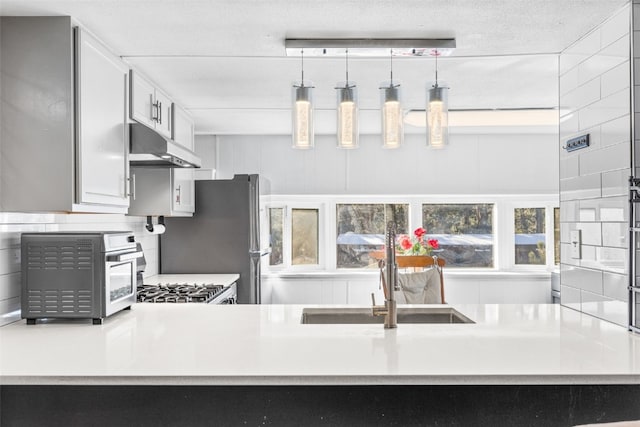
(188, 288)
(207, 293)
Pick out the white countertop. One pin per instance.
(266, 344)
(216, 279)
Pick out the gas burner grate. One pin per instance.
(179, 292)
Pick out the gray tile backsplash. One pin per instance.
(595, 87)
(13, 224)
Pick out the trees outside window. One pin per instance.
(360, 229)
(464, 232)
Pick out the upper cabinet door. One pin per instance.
(101, 134)
(143, 108)
(182, 127)
(163, 105)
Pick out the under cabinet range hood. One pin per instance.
(149, 148)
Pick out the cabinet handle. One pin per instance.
(133, 186)
(159, 112)
(178, 191)
(154, 109)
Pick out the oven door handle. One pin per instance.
(124, 257)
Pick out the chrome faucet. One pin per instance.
(389, 310)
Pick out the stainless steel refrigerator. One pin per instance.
(223, 236)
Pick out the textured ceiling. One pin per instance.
(224, 60)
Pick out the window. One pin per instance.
(304, 236)
(360, 229)
(529, 236)
(464, 232)
(276, 223)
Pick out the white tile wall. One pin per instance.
(615, 131)
(582, 278)
(615, 286)
(615, 183)
(12, 224)
(570, 297)
(595, 85)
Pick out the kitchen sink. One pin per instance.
(363, 315)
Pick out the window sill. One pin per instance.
(480, 274)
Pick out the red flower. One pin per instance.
(405, 242)
(419, 232)
(433, 243)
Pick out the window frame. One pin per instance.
(288, 206)
(503, 227)
(509, 225)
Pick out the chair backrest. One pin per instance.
(416, 262)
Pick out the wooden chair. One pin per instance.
(416, 263)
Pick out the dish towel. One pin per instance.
(419, 288)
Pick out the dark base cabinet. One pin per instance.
(509, 405)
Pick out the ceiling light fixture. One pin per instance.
(391, 112)
(302, 112)
(369, 47)
(437, 112)
(347, 110)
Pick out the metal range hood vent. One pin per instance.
(149, 148)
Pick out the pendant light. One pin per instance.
(391, 112)
(347, 111)
(302, 112)
(437, 112)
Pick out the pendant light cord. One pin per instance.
(436, 55)
(391, 66)
(302, 67)
(346, 56)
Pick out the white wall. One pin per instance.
(12, 224)
(471, 164)
(595, 100)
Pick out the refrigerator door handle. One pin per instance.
(260, 253)
(255, 279)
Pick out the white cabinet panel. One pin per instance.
(183, 127)
(183, 190)
(142, 100)
(101, 139)
(149, 105)
(164, 106)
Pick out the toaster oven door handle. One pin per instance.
(124, 257)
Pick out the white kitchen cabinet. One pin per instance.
(183, 127)
(162, 191)
(183, 179)
(64, 121)
(166, 191)
(150, 105)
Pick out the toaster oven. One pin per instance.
(77, 274)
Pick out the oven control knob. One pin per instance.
(131, 239)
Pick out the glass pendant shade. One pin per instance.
(347, 116)
(391, 110)
(302, 115)
(437, 117)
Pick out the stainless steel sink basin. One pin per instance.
(356, 315)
